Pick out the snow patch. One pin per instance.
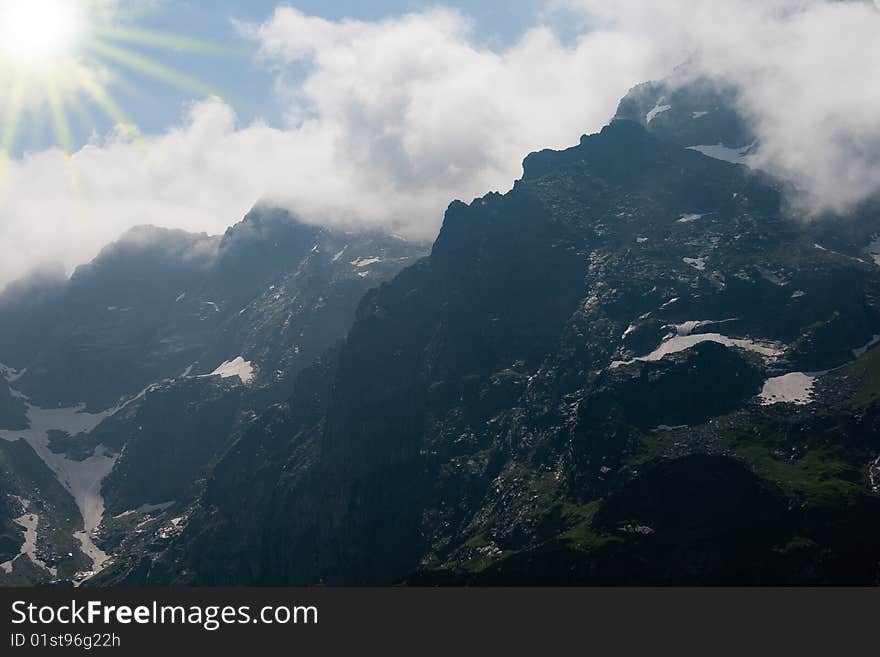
(722, 152)
(664, 428)
(82, 479)
(28, 522)
(658, 109)
(680, 343)
(794, 388)
(687, 328)
(146, 508)
(365, 262)
(697, 263)
(236, 367)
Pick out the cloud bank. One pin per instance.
(806, 71)
(388, 121)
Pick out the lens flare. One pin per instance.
(59, 60)
(39, 30)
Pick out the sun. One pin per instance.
(36, 31)
(59, 60)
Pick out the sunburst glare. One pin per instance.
(36, 30)
(57, 54)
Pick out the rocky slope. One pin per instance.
(133, 377)
(513, 408)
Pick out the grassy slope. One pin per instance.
(814, 456)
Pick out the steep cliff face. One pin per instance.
(12, 409)
(498, 409)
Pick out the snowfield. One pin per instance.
(679, 343)
(722, 152)
(236, 367)
(81, 478)
(794, 388)
(658, 109)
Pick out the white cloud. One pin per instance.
(417, 115)
(389, 121)
(806, 70)
(393, 120)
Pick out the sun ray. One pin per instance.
(60, 123)
(148, 67)
(83, 119)
(12, 116)
(13, 113)
(57, 76)
(102, 98)
(61, 126)
(167, 41)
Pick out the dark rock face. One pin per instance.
(715, 517)
(170, 439)
(13, 411)
(686, 388)
(500, 410)
(689, 112)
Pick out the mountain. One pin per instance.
(129, 380)
(695, 112)
(639, 366)
(636, 367)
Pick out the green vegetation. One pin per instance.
(582, 535)
(865, 371)
(820, 475)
